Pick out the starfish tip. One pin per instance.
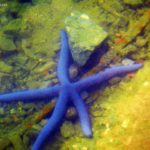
(87, 132)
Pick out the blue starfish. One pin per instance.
(67, 91)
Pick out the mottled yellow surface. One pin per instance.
(129, 106)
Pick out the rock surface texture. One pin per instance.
(84, 35)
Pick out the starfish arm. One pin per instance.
(82, 112)
(64, 59)
(105, 75)
(54, 120)
(30, 95)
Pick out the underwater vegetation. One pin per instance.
(29, 43)
(66, 90)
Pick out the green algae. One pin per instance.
(5, 68)
(44, 67)
(133, 3)
(84, 36)
(35, 32)
(17, 142)
(37, 39)
(4, 143)
(7, 44)
(67, 126)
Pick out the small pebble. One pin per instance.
(1, 111)
(140, 41)
(127, 61)
(36, 127)
(67, 129)
(43, 122)
(71, 113)
(84, 95)
(54, 81)
(73, 71)
(12, 111)
(114, 80)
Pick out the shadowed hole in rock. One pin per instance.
(95, 57)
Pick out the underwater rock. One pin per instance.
(67, 130)
(5, 68)
(4, 19)
(127, 61)
(2, 112)
(26, 140)
(54, 81)
(135, 28)
(71, 113)
(43, 122)
(128, 49)
(84, 36)
(13, 111)
(140, 41)
(114, 80)
(17, 27)
(13, 26)
(17, 142)
(36, 127)
(6, 44)
(73, 71)
(133, 2)
(84, 95)
(44, 67)
(4, 142)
